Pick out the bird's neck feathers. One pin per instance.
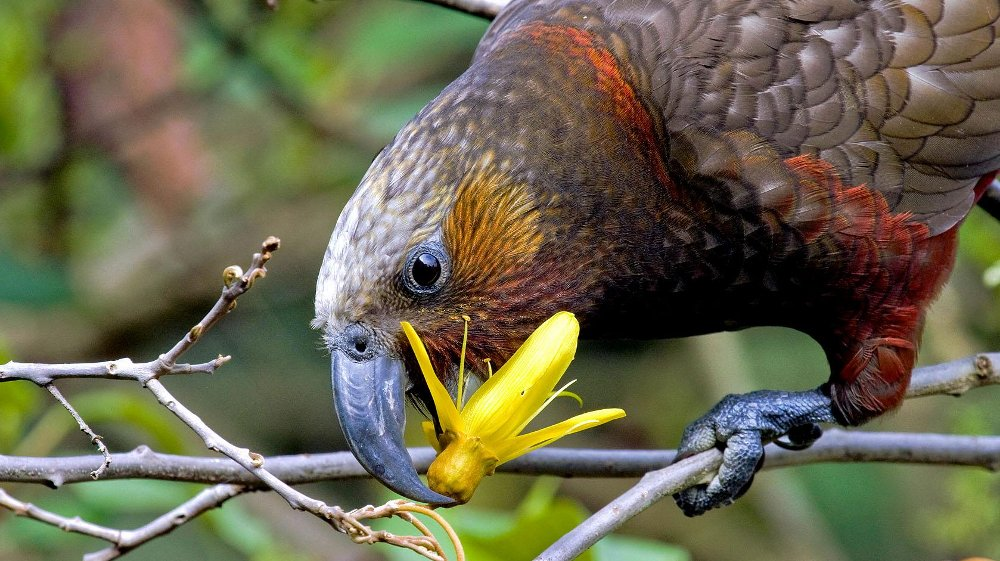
(570, 181)
(581, 63)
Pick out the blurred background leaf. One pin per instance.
(147, 144)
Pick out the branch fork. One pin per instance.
(148, 374)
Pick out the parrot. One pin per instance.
(664, 169)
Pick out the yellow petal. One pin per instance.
(525, 443)
(525, 381)
(447, 413)
(431, 435)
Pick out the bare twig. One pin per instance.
(956, 377)
(254, 463)
(838, 445)
(236, 284)
(651, 488)
(127, 540)
(121, 369)
(835, 446)
(148, 374)
(74, 524)
(484, 8)
(95, 438)
(145, 373)
(213, 497)
(165, 364)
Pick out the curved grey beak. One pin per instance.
(368, 395)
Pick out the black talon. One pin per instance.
(800, 437)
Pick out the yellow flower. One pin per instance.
(485, 432)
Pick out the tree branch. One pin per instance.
(77, 525)
(836, 446)
(483, 8)
(126, 540)
(955, 377)
(951, 378)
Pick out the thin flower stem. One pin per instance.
(432, 543)
(459, 551)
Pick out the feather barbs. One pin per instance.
(492, 229)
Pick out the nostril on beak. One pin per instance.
(356, 342)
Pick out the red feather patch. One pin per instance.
(896, 268)
(584, 52)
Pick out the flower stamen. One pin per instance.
(460, 398)
(545, 404)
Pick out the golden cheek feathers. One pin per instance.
(492, 229)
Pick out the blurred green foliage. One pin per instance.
(147, 144)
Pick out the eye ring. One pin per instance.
(426, 270)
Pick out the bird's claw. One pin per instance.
(740, 425)
(742, 456)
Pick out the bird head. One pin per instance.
(500, 201)
(429, 242)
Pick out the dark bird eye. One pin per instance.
(426, 269)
